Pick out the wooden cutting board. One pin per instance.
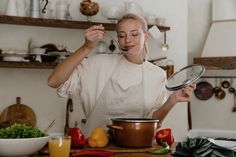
(18, 113)
(111, 147)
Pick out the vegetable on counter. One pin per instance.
(78, 139)
(21, 131)
(98, 138)
(164, 135)
(163, 150)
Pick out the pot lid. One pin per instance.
(185, 77)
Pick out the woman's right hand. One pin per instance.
(93, 34)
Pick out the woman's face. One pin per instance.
(131, 36)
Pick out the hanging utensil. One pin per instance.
(225, 84)
(219, 92)
(234, 107)
(204, 90)
(231, 88)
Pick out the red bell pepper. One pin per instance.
(164, 135)
(77, 137)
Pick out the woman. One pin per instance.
(111, 86)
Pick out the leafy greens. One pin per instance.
(20, 131)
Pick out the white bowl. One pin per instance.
(22, 146)
(113, 12)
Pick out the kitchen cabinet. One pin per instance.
(217, 63)
(69, 24)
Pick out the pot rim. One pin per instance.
(139, 120)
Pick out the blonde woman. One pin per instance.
(119, 85)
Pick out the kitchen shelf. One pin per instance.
(17, 20)
(28, 65)
(217, 63)
(36, 65)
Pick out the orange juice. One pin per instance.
(59, 146)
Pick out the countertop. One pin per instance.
(127, 155)
(124, 152)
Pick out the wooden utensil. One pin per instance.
(49, 126)
(18, 113)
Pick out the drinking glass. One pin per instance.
(59, 146)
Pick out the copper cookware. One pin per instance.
(204, 90)
(219, 93)
(225, 84)
(134, 132)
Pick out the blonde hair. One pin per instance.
(142, 22)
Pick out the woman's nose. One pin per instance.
(128, 39)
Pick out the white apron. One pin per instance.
(116, 102)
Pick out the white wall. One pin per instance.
(211, 114)
(30, 84)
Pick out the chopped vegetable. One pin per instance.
(165, 135)
(163, 150)
(20, 131)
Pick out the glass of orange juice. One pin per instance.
(59, 146)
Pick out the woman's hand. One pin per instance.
(92, 35)
(182, 95)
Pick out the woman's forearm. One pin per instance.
(64, 69)
(163, 110)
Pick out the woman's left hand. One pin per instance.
(183, 94)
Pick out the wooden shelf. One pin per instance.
(17, 20)
(28, 65)
(216, 63)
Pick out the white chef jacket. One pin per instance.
(90, 77)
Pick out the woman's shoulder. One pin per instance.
(154, 68)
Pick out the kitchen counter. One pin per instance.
(127, 152)
(127, 155)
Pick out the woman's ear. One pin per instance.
(146, 34)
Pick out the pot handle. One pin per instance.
(115, 127)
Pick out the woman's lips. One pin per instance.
(129, 47)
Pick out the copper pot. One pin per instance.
(134, 132)
(219, 93)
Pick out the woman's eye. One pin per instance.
(135, 34)
(121, 36)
